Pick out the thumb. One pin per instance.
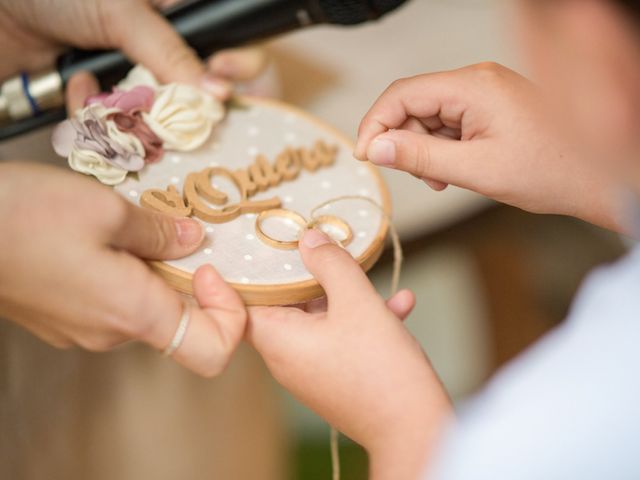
(80, 86)
(155, 236)
(426, 156)
(146, 37)
(342, 279)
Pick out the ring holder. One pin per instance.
(266, 162)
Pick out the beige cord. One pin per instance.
(335, 454)
(395, 281)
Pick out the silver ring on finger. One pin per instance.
(181, 331)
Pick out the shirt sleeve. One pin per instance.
(569, 408)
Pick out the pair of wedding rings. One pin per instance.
(303, 224)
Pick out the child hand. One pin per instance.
(481, 128)
(356, 365)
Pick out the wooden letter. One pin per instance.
(165, 201)
(288, 165)
(200, 196)
(257, 206)
(242, 177)
(309, 159)
(201, 209)
(325, 153)
(208, 191)
(262, 174)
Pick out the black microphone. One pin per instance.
(28, 102)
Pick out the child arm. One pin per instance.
(356, 365)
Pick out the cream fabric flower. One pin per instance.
(94, 145)
(183, 116)
(138, 76)
(90, 162)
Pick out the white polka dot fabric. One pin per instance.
(233, 248)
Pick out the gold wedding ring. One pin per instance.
(336, 223)
(303, 224)
(280, 213)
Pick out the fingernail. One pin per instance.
(189, 232)
(314, 238)
(357, 151)
(209, 276)
(359, 155)
(221, 89)
(382, 151)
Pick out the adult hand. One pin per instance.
(483, 128)
(34, 32)
(69, 270)
(355, 364)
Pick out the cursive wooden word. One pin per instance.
(200, 197)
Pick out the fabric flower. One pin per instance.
(94, 145)
(137, 99)
(183, 116)
(138, 76)
(92, 163)
(135, 125)
(118, 132)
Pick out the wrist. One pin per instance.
(400, 461)
(602, 207)
(404, 451)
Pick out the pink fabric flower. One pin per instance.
(137, 99)
(135, 125)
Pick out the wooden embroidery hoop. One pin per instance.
(296, 292)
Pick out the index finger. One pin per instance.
(421, 97)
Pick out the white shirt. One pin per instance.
(569, 407)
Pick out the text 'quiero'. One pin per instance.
(199, 196)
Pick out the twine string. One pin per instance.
(335, 454)
(393, 233)
(395, 281)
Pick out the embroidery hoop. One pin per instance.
(300, 291)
